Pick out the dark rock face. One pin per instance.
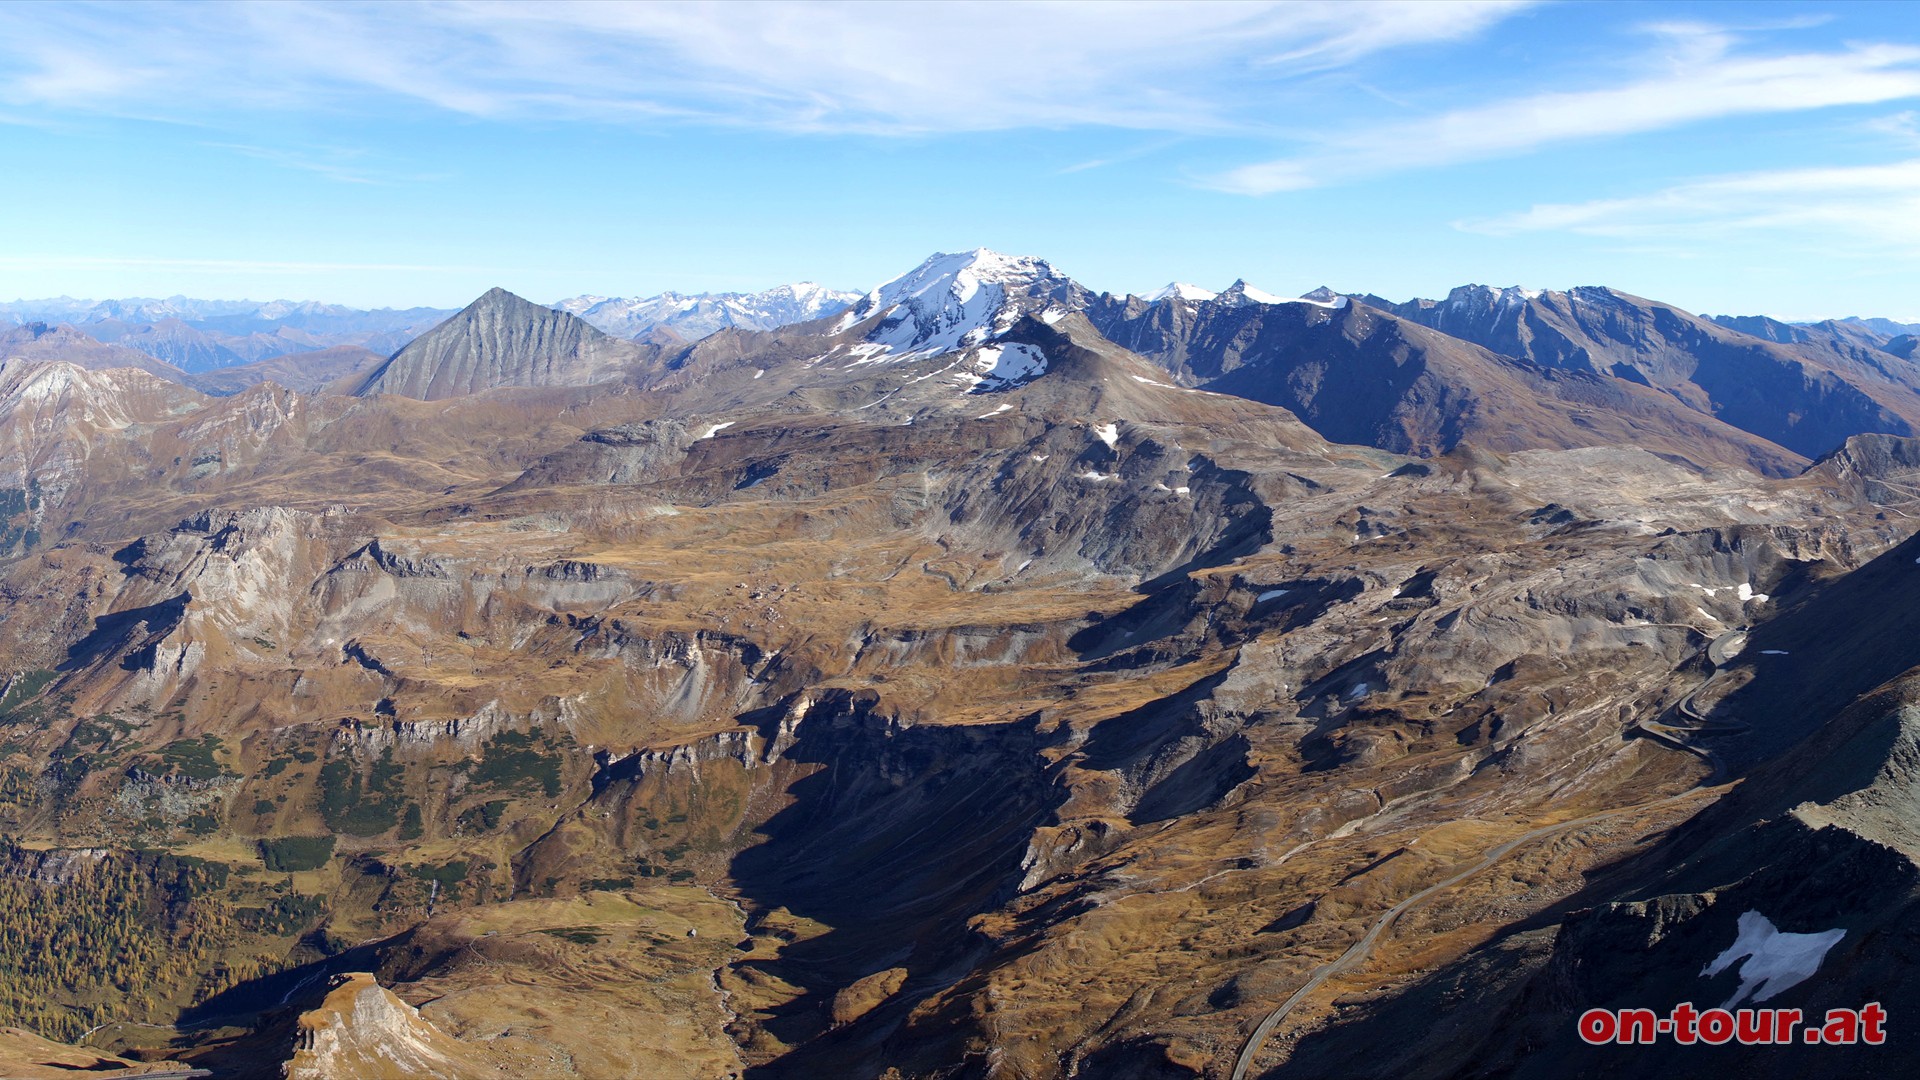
(1357, 374)
(1806, 389)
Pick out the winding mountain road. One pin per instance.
(1361, 950)
(1719, 652)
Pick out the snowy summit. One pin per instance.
(1180, 290)
(956, 301)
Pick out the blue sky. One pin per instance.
(1730, 158)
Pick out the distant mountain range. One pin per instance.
(691, 316)
(1503, 368)
(201, 335)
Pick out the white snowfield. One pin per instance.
(1488, 294)
(1109, 434)
(715, 429)
(1014, 363)
(1774, 961)
(1242, 293)
(1258, 296)
(952, 301)
(1744, 591)
(1270, 594)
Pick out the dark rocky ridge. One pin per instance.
(1806, 394)
(1361, 375)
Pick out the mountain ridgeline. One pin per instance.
(976, 676)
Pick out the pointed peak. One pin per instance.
(1242, 293)
(1180, 290)
(498, 301)
(498, 295)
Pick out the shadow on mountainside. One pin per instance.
(894, 842)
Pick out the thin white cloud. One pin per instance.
(212, 266)
(821, 66)
(1856, 210)
(334, 165)
(1700, 77)
(1903, 127)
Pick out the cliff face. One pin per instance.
(361, 1030)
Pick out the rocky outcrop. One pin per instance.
(362, 1030)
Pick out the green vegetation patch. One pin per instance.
(448, 874)
(24, 689)
(194, 758)
(483, 818)
(284, 917)
(353, 806)
(291, 853)
(412, 825)
(512, 759)
(579, 935)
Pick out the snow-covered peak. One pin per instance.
(956, 301)
(1242, 293)
(695, 315)
(1180, 290)
(1490, 296)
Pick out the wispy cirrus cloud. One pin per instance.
(347, 165)
(1864, 209)
(820, 66)
(212, 266)
(1698, 74)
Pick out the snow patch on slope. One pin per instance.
(1774, 961)
(1011, 364)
